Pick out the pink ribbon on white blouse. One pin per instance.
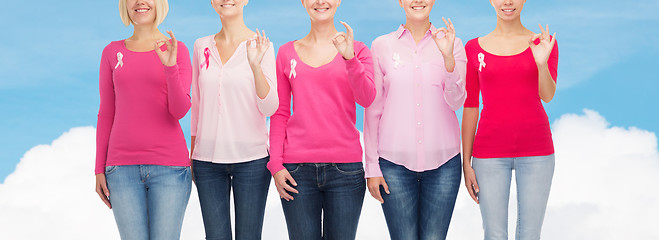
(120, 60)
(207, 54)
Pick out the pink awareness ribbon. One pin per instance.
(207, 54)
(481, 60)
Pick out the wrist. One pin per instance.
(448, 55)
(449, 63)
(349, 56)
(255, 66)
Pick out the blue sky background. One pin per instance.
(50, 53)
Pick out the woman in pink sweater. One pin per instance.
(315, 153)
(514, 69)
(233, 91)
(142, 165)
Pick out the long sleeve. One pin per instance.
(269, 104)
(194, 91)
(279, 121)
(178, 83)
(360, 75)
(105, 112)
(455, 93)
(372, 116)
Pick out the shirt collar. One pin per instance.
(401, 30)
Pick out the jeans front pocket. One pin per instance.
(349, 168)
(292, 167)
(110, 169)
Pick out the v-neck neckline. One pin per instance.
(321, 66)
(219, 56)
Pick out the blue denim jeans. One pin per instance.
(420, 204)
(533, 176)
(333, 190)
(149, 201)
(250, 182)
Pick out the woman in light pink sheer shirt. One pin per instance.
(411, 132)
(233, 91)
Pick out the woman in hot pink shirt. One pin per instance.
(233, 91)
(514, 69)
(316, 157)
(142, 166)
(411, 132)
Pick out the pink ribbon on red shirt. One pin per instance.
(207, 54)
(481, 60)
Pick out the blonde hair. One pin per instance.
(162, 7)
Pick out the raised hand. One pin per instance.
(542, 51)
(344, 42)
(256, 48)
(445, 43)
(168, 57)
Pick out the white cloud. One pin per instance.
(602, 190)
(602, 186)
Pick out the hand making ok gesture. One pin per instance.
(344, 42)
(168, 57)
(445, 43)
(542, 51)
(256, 48)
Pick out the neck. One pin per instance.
(146, 32)
(506, 28)
(233, 28)
(321, 31)
(417, 28)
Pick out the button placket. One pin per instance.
(418, 99)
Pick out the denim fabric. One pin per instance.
(533, 176)
(333, 192)
(149, 201)
(420, 204)
(249, 181)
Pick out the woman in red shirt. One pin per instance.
(514, 69)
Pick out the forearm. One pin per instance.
(178, 99)
(277, 138)
(469, 125)
(361, 82)
(260, 82)
(449, 63)
(546, 84)
(372, 116)
(103, 128)
(192, 141)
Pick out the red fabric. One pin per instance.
(513, 122)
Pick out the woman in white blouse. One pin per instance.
(233, 91)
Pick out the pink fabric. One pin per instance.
(141, 103)
(412, 120)
(228, 118)
(513, 122)
(322, 127)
